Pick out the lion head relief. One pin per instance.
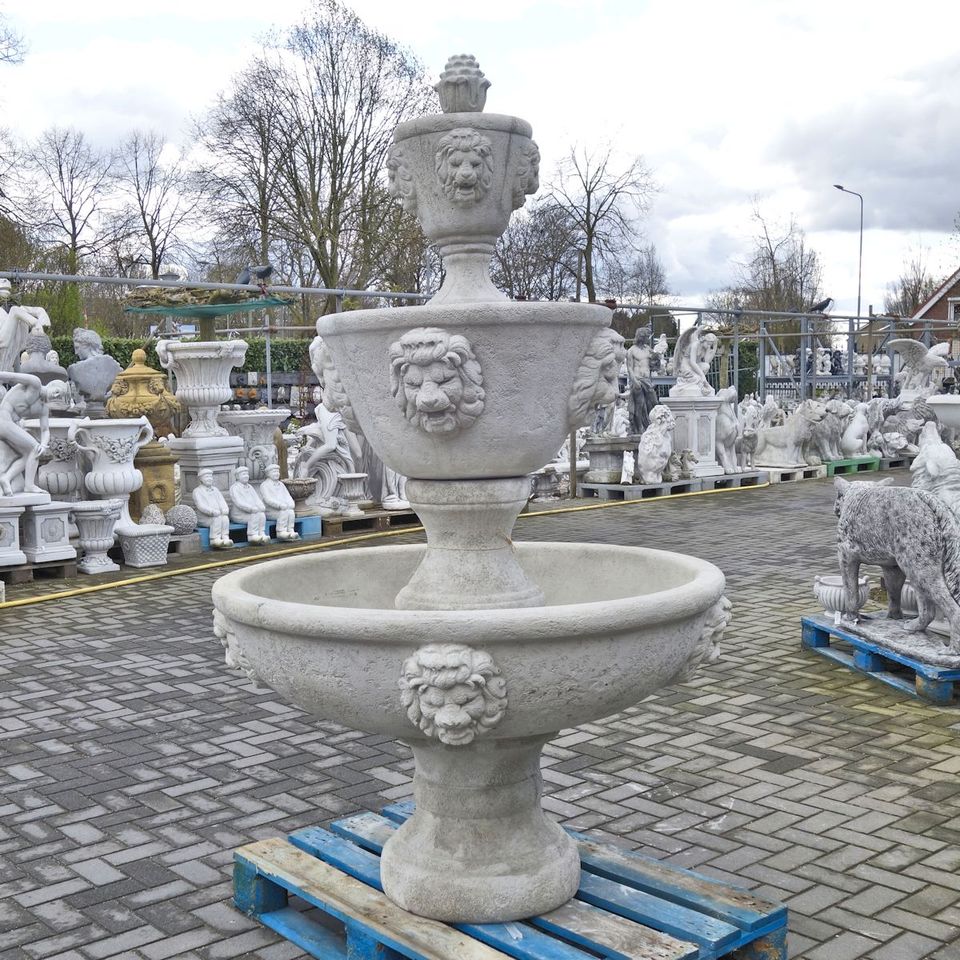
(453, 692)
(464, 165)
(436, 379)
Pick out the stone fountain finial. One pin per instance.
(462, 87)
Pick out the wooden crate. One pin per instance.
(628, 906)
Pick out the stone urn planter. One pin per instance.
(300, 489)
(256, 428)
(60, 473)
(95, 520)
(475, 650)
(352, 490)
(109, 448)
(830, 593)
(202, 370)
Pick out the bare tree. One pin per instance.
(642, 279)
(298, 146)
(912, 288)
(536, 257)
(784, 272)
(62, 193)
(158, 202)
(12, 45)
(603, 204)
(239, 177)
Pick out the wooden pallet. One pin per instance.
(924, 681)
(793, 474)
(892, 463)
(52, 569)
(637, 491)
(854, 465)
(371, 520)
(730, 481)
(628, 906)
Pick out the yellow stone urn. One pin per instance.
(140, 390)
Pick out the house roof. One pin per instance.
(938, 294)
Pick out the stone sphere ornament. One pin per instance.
(183, 519)
(151, 513)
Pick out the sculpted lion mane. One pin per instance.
(452, 692)
(463, 164)
(436, 379)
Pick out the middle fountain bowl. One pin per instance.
(452, 427)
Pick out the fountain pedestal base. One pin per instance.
(479, 848)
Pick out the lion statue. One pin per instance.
(436, 379)
(597, 381)
(707, 649)
(463, 164)
(453, 692)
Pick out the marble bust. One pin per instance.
(94, 372)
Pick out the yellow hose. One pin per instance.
(325, 544)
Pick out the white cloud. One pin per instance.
(727, 101)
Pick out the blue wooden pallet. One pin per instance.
(309, 528)
(924, 681)
(628, 907)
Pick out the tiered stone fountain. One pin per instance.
(475, 650)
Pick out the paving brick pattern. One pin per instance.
(132, 762)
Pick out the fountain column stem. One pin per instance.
(470, 563)
(479, 847)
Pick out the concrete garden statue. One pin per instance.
(692, 358)
(727, 430)
(212, 510)
(643, 397)
(17, 323)
(473, 649)
(656, 445)
(853, 443)
(922, 367)
(279, 504)
(19, 451)
(911, 535)
(247, 507)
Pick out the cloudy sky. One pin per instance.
(730, 102)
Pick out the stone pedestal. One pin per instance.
(606, 457)
(95, 521)
(46, 532)
(256, 428)
(220, 455)
(155, 461)
(10, 553)
(696, 430)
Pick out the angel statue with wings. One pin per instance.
(691, 359)
(921, 368)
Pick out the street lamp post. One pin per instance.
(842, 188)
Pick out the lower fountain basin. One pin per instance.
(475, 693)
(618, 623)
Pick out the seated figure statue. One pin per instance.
(279, 504)
(247, 507)
(94, 372)
(212, 510)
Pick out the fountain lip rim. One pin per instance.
(234, 600)
(468, 313)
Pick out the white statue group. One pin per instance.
(249, 505)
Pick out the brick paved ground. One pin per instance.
(132, 762)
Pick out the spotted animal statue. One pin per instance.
(910, 534)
